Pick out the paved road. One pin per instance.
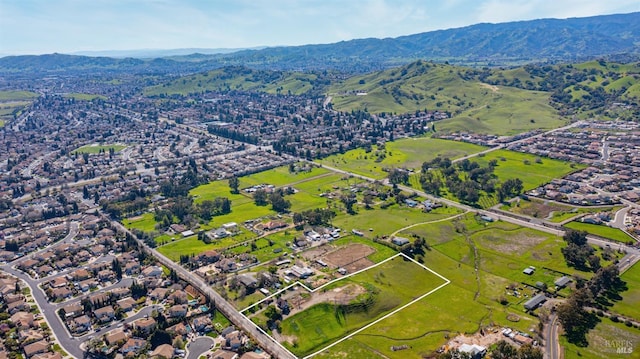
(242, 322)
(48, 309)
(552, 348)
(618, 220)
(633, 251)
(198, 347)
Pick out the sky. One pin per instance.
(68, 26)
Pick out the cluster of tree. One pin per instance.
(276, 198)
(184, 210)
(578, 253)
(502, 350)
(138, 290)
(232, 134)
(179, 187)
(314, 217)
(572, 313)
(398, 176)
(116, 268)
(465, 179)
(510, 188)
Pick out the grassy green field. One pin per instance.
(146, 222)
(94, 149)
(237, 78)
(12, 95)
(531, 170)
(526, 167)
(628, 306)
(407, 153)
(84, 96)
(476, 106)
(500, 250)
(604, 340)
(280, 176)
(602, 231)
(384, 222)
(395, 283)
(549, 210)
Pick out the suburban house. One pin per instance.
(105, 314)
(145, 325)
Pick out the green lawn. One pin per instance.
(604, 340)
(280, 176)
(602, 231)
(628, 306)
(395, 283)
(94, 149)
(377, 223)
(84, 96)
(146, 222)
(186, 246)
(408, 153)
(533, 173)
(13, 95)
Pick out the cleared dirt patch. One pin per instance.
(352, 257)
(514, 242)
(314, 253)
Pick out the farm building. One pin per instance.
(301, 272)
(562, 281)
(534, 302)
(529, 270)
(474, 350)
(399, 241)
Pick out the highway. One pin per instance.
(264, 341)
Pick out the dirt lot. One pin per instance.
(352, 257)
(314, 253)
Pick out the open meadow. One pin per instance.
(385, 288)
(614, 234)
(628, 306)
(403, 153)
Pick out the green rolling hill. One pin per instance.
(239, 79)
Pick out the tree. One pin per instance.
(575, 321)
(510, 188)
(160, 337)
(278, 202)
(233, 184)
(527, 351)
(348, 200)
(398, 176)
(503, 350)
(260, 197)
(367, 199)
(575, 237)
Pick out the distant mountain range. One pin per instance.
(482, 44)
(156, 53)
